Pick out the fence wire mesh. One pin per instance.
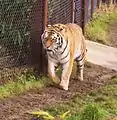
(59, 11)
(18, 27)
(78, 12)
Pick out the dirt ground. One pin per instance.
(113, 35)
(15, 108)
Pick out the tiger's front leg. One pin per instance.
(66, 73)
(52, 73)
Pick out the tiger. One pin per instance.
(64, 44)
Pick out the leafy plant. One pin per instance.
(97, 29)
(24, 82)
(47, 116)
(93, 112)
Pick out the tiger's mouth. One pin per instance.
(48, 50)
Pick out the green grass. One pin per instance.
(23, 83)
(97, 105)
(97, 29)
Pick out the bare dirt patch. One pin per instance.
(15, 108)
(113, 35)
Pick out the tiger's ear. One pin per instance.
(47, 27)
(63, 29)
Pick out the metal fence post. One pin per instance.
(45, 13)
(44, 60)
(84, 15)
(73, 10)
(92, 8)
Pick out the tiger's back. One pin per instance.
(76, 38)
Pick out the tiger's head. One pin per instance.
(53, 37)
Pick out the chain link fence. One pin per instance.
(78, 12)
(59, 11)
(20, 29)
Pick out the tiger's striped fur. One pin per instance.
(64, 43)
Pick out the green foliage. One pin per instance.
(47, 116)
(90, 112)
(74, 117)
(93, 112)
(108, 97)
(59, 71)
(42, 114)
(97, 29)
(24, 82)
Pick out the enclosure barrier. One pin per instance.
(21, 25)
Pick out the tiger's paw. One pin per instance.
(81, 78)
(56, 80)
(64, 86)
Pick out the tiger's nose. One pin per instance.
(48, 43)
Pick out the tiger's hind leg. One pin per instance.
(80, 66)
(80, 70)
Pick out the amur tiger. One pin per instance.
(64, 43)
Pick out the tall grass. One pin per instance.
(90, 112)
(97, 29)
